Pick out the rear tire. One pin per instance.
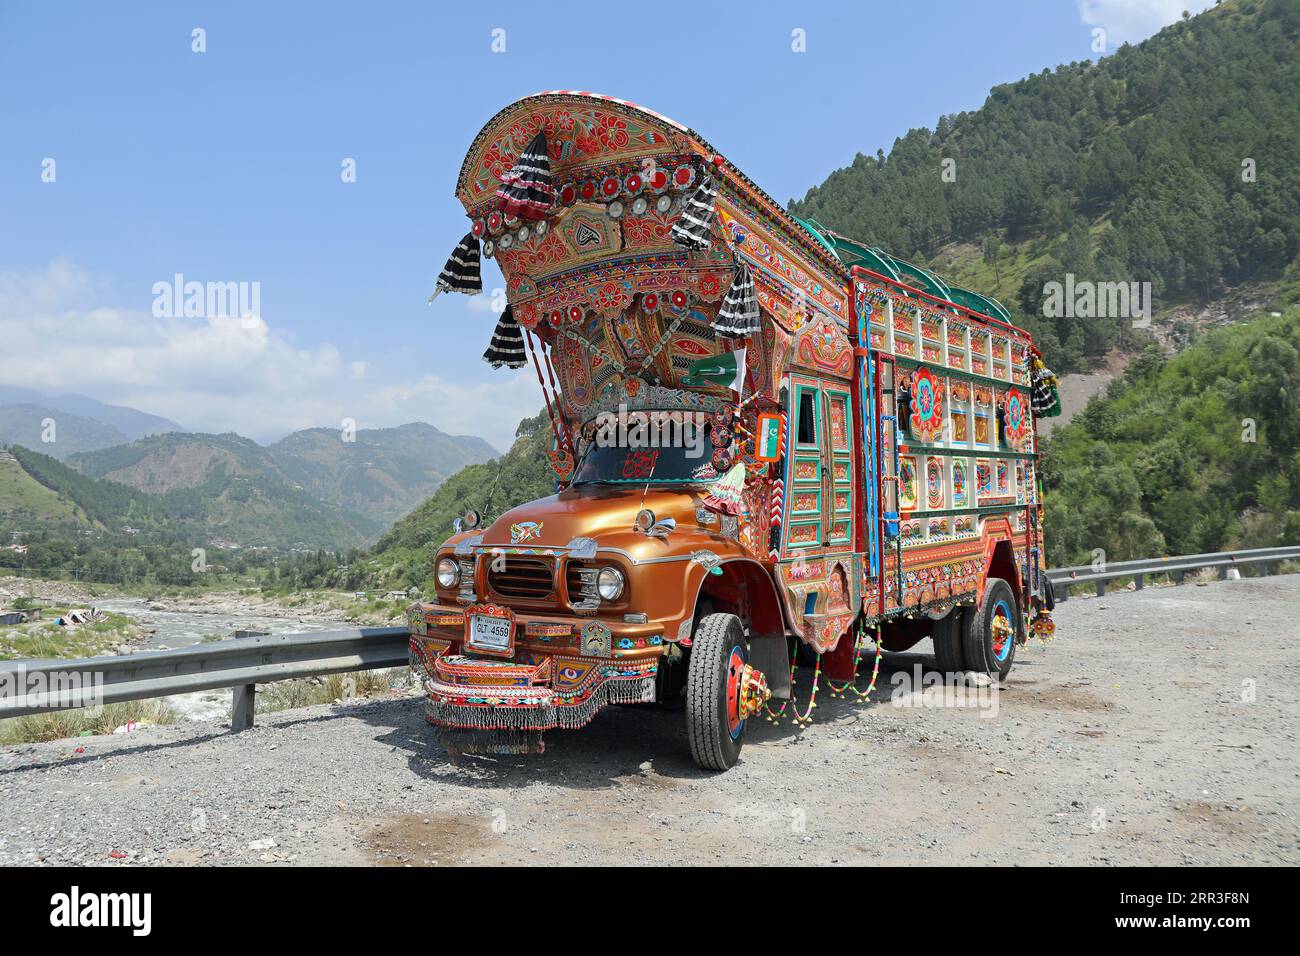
(719, 653)
(947, 637)
(989, 634)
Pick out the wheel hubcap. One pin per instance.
(1002, 631)
(747, 692)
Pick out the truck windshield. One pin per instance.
(630, 459)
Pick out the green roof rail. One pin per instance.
(853, 253)
(822, 235)
(984, 304)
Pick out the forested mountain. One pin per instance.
(371, 477)
(1173, 162)
(230, 487)
(384, 472)
(220, 495)
(404, 555)
(1194, 454)
(60, 521)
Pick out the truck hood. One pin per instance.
(604, 512)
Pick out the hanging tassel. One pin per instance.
(724, 495)
(507, 345)
(1044, 394)
(692, 227)
(462, 271)
(526, 190)
(738, 317)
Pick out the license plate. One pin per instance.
(490, 634)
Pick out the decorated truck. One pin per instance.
(772, 444)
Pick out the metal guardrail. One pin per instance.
(37, 686)
(1176, 567)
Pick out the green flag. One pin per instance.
(725, 368)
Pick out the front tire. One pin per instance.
(714, 727)
(989, 634)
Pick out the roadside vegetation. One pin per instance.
(1192, 454)
(334, 689)
(85, 722)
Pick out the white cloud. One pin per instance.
(224, 374)
(1131, 21)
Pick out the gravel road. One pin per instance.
(1158, 728)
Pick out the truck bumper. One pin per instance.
(535, 690)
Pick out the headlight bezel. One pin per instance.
(445, 563)
(618, 583)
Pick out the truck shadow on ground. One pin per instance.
(630, 742)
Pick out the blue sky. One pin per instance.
(225, 166)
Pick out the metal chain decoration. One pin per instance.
(804, 719)
(851, 685)
(648, 361)
(595, 350)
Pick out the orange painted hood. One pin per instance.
(603, 512)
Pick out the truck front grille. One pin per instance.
(532, 579)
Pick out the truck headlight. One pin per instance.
(609, 584)
(448, 573)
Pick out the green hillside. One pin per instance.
(1129, 169)
(229, 487)
(404, 556)
(24, 500)
(383, 473)
(1198, 453)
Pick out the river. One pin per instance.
(163, 629)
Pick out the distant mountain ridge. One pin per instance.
(130, 422)
(384, 472)
(55, 432)
(367, 481)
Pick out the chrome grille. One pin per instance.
(467, 584)
(528, 578)
(580, 580)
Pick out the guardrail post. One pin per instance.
(243, 707)
(1137, 581)
(1178, 577)
(1101, 589)
(1263, 569)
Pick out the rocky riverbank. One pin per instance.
(304, 606)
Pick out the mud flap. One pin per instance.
(771, 655)
(842, 663)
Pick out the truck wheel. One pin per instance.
(714, 725)
(946, 635)
(989, 633)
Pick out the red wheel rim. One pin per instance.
(735, 671)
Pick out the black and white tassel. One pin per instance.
(526, 191)
(693, 226)
(738, 316)
(462, 271)
(507, 346)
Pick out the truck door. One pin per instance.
(821, 472)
